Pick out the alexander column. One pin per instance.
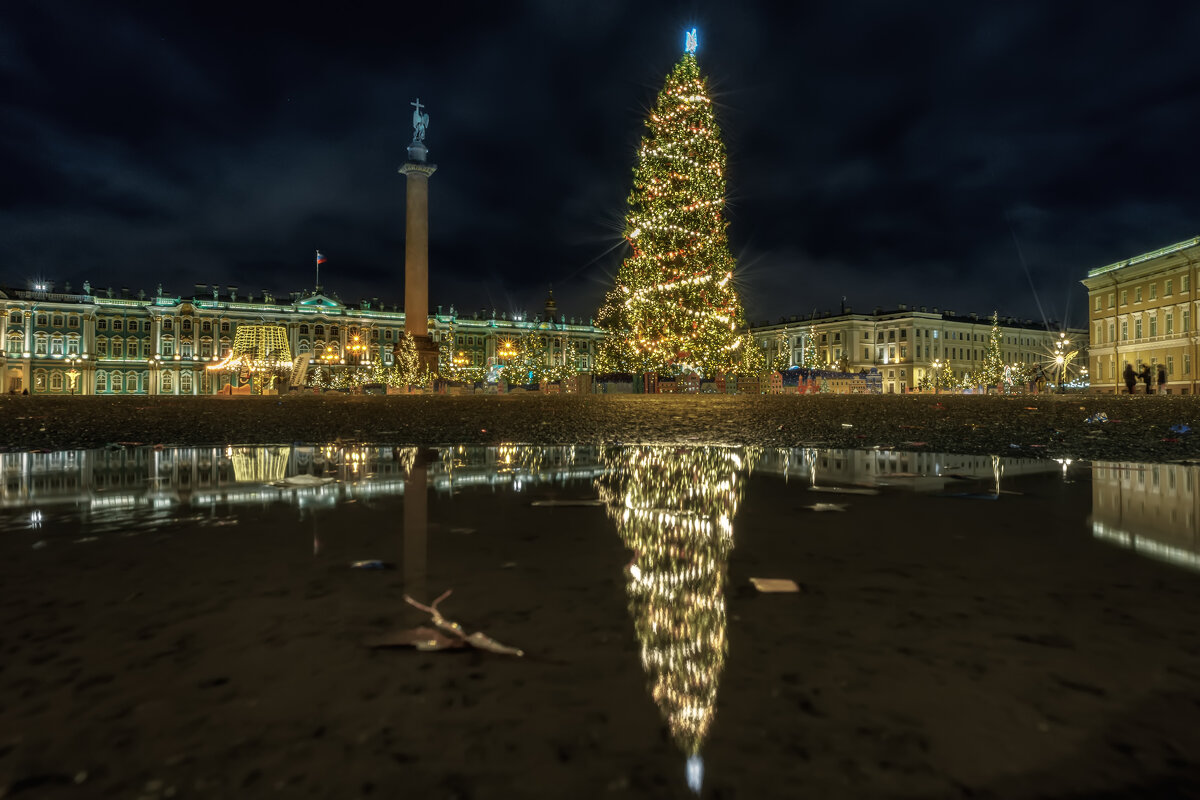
(416, 240)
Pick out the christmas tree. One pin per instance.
(992, 372)
(674, 509)
(810, 359)
(674, 306)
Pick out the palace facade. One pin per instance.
(904, 343)
(97, 343)
(1143, 312)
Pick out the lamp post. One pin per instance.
(73, 372)
(937, 375)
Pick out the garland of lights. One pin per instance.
(674, 303)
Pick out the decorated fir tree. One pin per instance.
(810, 359)
(992, 371)
(674, 306)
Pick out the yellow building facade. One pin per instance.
(1142, 312)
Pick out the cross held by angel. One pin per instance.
(420, 121)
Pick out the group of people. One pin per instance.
(1146, 376)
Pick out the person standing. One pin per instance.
(1130, 378)
(1147, 378)
(1162, 379)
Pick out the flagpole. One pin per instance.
(318, 283)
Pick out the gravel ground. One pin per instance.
(1043, 426)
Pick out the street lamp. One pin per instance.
(356, 347)
(937, 375)
(72, 371)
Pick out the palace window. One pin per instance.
(206, 348)
(304, 330)
(102, 347)
(168, 347)
(1154, 291)
(1124, 297)
(56, 381)
(117, 324)
(185, 382)
(333, 330)
(131, 382)
(1167, 287)
(39, 345)
(1187, 364)
(1137, 295)
(56, 345)
(39, 380)
(206, 327)
(118, 347)
(167, 384)
(1154, 325)
(1187, 321)
(41, 320)
(1171, 366)
(15, 317)
(187, 324)
(185, 349)
(1112, 332)
(1124, 330)
(1137, 328)
(1183, 283)
(1170, 323)
(319, 330)
(101, 381)
(73, 344)
(224, 327)
(131, 347)
(166, 323)
(1097, 302)
(58, 321)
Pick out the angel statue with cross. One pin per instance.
(420, 121)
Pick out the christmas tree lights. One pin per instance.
(674, 509)
(674, 306)
(992, 372)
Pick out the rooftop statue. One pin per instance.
(420, 121)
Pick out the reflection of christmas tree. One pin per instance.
(674, 509)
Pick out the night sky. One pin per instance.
(969, 156)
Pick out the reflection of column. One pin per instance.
(674, 509)
(415, 529)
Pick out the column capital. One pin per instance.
(419, 169)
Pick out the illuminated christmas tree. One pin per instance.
(674, 509)
(674, 306)
(992, 372)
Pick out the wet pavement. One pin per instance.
(187, 622)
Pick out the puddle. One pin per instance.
(960, 621)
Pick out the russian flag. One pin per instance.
(320, 257)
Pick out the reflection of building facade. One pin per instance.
(897, 469)
(95, 343)
(1143, 312)
(141, 477)
(674, 508)
(1151, 508)
(903, 344)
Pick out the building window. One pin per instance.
(1154, 324)
(117, 324)
(56, 381)
(187, 324)
(1170, 323)
(206, 327)
(118, 347)
(72, 320)
(56, 345)
(206, 348)
(1124, 330)
(1124, 297)
(333, 330)
(1184, 282)
(131, 382)
(866, 353)
(1112, 336)
(58, 323)
(102, 324)
(73, 344)
(1187, 321)
(15, 317)
(1137, 328)
(101, 381)
(1187, 363)
(1097, 302)
(166, 323)
(39, 345)
(1170, 366)
(168, 347)
(185, 382)
(167, 384)
(41, 320)
(1167, 287)
(224, 327)
(304, 330)
(185, 349)
(1154, 291)
(1137, 295)
(102, 347)
(319, 330)
(39, 380)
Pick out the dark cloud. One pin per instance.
(960, 155)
